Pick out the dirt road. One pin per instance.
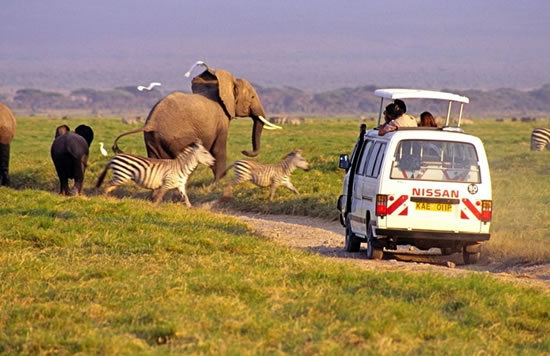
(327, 239)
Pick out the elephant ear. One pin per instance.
(217, 85)
(226, 87)
(86, 132)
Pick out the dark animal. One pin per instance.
(267, 175)
(69, 152)
(7, 131)
(161, 175)
(178, 119)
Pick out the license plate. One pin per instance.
(446, 208)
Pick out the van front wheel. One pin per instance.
(373, 252)
(352, 244)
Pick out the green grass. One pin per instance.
(521, 191)
(119, 276)
(521, 188)
(113, 276)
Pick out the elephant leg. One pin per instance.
(63, 178)
(79, 170)
(4, 164)
(64, 185)
(218, 150)
(63, 166)
(154, 146)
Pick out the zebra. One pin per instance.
(540, 138)
(160, 175)
(267, 175)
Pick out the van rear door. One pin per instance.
(435, 185)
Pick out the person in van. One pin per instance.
(395, 118)
(401, 104)
(427, 120)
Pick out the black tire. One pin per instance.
(373, 252)
(471, 258)
(340, 209)
(352, 243)
(471, 253)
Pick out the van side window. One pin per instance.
(372, 159)
(358, 151)
(379, 161)
(366, 152)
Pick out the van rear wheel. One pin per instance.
(471, 254)
(352, 244)
(373, 252)
(471, 258)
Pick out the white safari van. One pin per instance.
(426, 187)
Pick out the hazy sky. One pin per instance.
(313, 45)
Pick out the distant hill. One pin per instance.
(287, 100)
(361, 100)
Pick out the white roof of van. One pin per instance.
(395, 93)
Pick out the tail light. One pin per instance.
(486, 210)
(381, 205)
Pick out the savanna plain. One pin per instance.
(117, 275)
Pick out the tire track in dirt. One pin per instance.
(327, 239)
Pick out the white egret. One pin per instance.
(150, 87)
(102, 149)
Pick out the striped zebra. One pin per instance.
(540, 138)
(267, 175)
(160, 175)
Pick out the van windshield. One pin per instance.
(436, 161)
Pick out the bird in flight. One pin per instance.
(196, 64)
(150, 87)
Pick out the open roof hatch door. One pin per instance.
(395, 93)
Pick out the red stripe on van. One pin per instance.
(405, 211)
(463, 216)
(472, 208)
(397, 204)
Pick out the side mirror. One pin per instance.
(344, 162)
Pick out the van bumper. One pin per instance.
(432, 235)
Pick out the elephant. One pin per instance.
(178, 119)
(69, 153)
(7, 131)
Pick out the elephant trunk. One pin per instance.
(256, 136)
(259, 122)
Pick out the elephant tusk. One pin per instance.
(197, 63)
(269, 125)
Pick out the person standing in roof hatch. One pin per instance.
(427, 120)
(401, 104)
(395, 118)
